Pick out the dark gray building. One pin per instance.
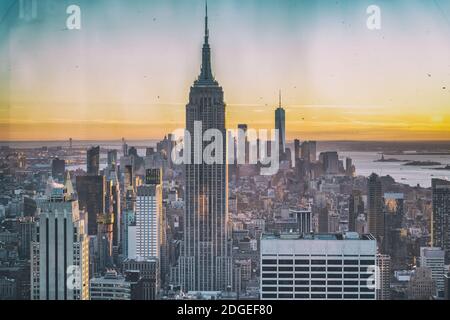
(206, 263)
(441, 216)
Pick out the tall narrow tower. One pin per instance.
(280, 125)
(206, 262)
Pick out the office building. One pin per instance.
(26, 235)
(447, 286)
(112, 205)
(375, 213)
(434, 259)
(91, 197)
(304, 220)
(60, 249)
(349, 167)
(206, 263)
(440, 229)
(318, 266)
(104, 255)
(309, 151)
(148, 213)
(111, 286)
(297, 151)
(383, 290)
(280, 125)
(149, 275)
(112, 158)
(58, 170)
(394, 243)
(421, 286)
(93, 161)
(355, 208)
(330, 162)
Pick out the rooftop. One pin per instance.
(318, 236)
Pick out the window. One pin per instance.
(334, 269)
(269, 268)
(301, 289)
(351, 269)
(285, 289)
(285, 269)
(269, 261)
(306, 269)
(285, 275)
(322, 269)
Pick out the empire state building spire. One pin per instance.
(206, 76)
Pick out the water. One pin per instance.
(411, 175)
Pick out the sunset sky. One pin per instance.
(128, 71)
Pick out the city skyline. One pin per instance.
(340, 80)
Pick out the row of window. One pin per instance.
(317, 296)
(317, 289)
(314, 282)
(317, 269)
(317, 262)
(317, 275)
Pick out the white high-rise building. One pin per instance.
(318, 266)
(110, 287)
(434, 259)
(148, 216)
(60, 249)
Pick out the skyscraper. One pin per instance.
(60, 249)
(58, 169)
(330, 162)
(383, 277)
(297, 149)
(93, 161)
(440, 230)
(112, 204)
(148, 215)
(355, 208)
(375, 208)
(91, 197)
(280, 125)
(104, 258)
(433, 259)
(112, 158)
(206, 262)
(421, 286)
(394, 243)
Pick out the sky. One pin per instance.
(128, 71)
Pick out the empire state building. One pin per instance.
(206, 264)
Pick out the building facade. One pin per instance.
(148, 216)
(206, 264)
(319, 266)
(60, 250)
